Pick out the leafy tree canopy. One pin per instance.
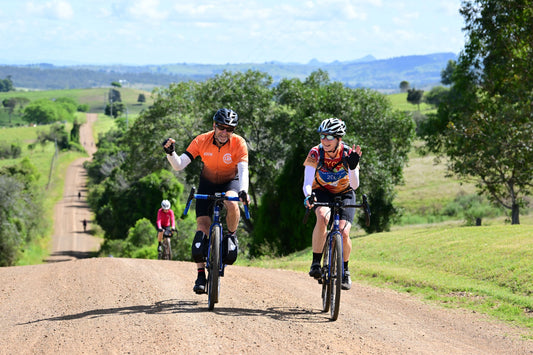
(484, 126)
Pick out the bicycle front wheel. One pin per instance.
(335, 280)
(213, 278)
(326, 289)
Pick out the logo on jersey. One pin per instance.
(208, 154)
(227, 158)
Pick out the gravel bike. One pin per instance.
(332, 254)
(166, 251)
(214, 263)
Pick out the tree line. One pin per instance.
(129, 174)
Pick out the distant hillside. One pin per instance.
(421, 71)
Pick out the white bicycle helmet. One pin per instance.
(165, 204)
(333, 126)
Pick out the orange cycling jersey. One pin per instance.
(220, 163)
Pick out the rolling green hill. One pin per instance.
(384, 74)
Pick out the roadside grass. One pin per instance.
(427, 190)
(103, 124)
(484, 269)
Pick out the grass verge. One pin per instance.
(485, 269)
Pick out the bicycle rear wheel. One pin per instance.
(167, 251)
(326, 289)
(213, 278)
(335, 280)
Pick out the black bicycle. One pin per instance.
(166, 251)
(332, 254)
(215, 264)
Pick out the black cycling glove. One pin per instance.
(170, 148)
(352, 159)
(243, 196)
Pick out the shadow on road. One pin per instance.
(191, 306)
(69, 254)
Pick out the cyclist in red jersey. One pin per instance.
(225, 169)
(331, 169)
(165, 218)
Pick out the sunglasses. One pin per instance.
(228, 129)
(329, 137)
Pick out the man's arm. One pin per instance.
(179, 163)
(244, 181)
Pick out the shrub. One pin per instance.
(142, 234)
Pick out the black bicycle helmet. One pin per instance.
(333, 126)
(226, 117)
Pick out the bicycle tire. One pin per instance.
(213, 278)
(335, 280)
(167, 251)
(326, 289)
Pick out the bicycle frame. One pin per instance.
(215, 231)
(166, 254)
(333, 251)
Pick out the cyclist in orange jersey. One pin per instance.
(225, 169)
(331, 169)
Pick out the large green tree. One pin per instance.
(384, 135)
(485, 125)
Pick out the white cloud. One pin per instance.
(147, 10)
(56, 9)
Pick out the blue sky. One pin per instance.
(142, 32)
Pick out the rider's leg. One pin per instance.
(319, 238)
(319, 232)
(202, 224)
(232, 212)
(346, 241)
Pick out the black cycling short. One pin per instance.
(346, 214)
(205, 207)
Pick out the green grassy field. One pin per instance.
(399, 102)
(96, 98)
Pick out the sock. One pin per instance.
(201, 270)
(346, 265)
(316, 258)
(159, 243)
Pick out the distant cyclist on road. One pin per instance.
(225, 169)
(165, 218)
(331, 169)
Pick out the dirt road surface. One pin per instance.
(78, 305)
(70, 241)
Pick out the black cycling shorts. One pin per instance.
(346, 214)
(205, 187)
